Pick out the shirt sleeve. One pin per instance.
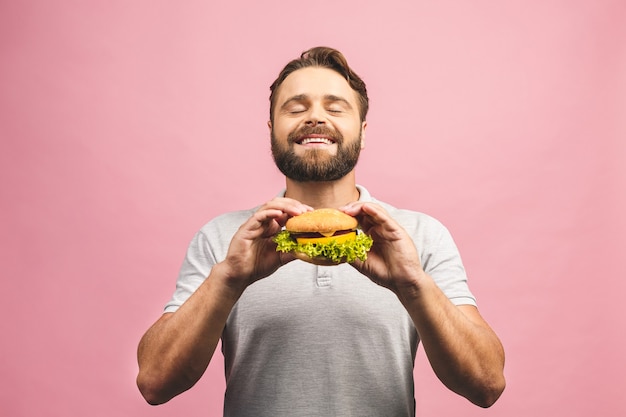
(442, 261)
(195, 268)
(208, 247)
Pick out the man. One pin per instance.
(306, 340)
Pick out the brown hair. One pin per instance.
(323, 57)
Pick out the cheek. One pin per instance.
(282, 129)
(350, 130)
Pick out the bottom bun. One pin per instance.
(317, 260)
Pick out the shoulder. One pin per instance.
(210, 243)
(411, 220)
(225, 222)
(415, 222)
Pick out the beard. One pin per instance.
(316, 165)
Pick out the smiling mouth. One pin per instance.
(323, 140)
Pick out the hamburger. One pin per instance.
(324, 237)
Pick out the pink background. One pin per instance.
(127, 125)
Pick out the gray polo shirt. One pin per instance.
(321, 341)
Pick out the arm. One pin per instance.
(464, 352)
(176, 350)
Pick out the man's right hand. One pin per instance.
(252, 254)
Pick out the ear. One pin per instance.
(269, 125)
(363, 126)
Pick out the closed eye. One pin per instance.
(335, 104)
(296, 108)
(295, 104)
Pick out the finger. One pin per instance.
(287, 205)
(375, 213)
(262, 217)
(278, 210)
(369, 214)
(262, 222)
(353, 209)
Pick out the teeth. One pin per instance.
(316, 140)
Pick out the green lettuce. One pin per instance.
(337, 252)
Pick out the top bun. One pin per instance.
(324, 220)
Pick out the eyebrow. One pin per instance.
(299, 97)
(304, 97)
(338, 98)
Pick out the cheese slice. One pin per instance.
(323, 240)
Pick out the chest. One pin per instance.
(319, 305)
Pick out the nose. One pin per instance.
(314, 122)
(315, 116)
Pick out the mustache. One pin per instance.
(315, 130)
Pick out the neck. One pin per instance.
(331, 194)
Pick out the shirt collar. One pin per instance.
(364, 195)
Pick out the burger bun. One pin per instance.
(316, 260)
(323, 220)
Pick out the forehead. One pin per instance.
(315, 82)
